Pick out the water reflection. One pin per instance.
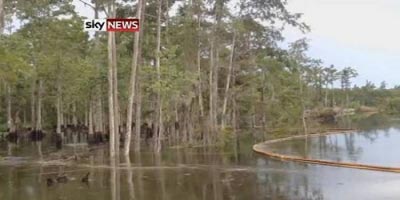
(129, 178)
(115, 179)
(369, 146)
(232, 173)
(201, 174)
(10, 147)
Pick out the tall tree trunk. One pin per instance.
(86, 117)
(33, 103)
(39, 106)
(25, 120)
(176, 123)
(215, 87)
(1, 16)
(138, 117)
(167, 22)
(74, 117)
(326, 96)
(62, 117)
(90, 116)
(159, 128)
(234, 113)
(115, 95)
(199, 85)
(333, 96)
(97, 110)
(211, 96)
(113, 89)
(10, 122)
(303, 115)
(133, 84)
(228, 81)
(263, 103)
(214, 62)
(101, 117)
(111, 96)
(199, 65)
(58, 106)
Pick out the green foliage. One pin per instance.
(270, 86)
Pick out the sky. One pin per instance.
(363, 34)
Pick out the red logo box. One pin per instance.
(123, 25)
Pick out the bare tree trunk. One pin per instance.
(33, 103)
(199, 65)
(167, 21)
(234, 110)
(211, 96)
(97, 110)
(39, 107)
(263, 103)
(111, 103)
(113, 89)
(58, 106)
(62, 117)
(17, 120)
(133, 85)
(1, 16)
(138, 99)
(333, 96)
(200, 89)
(74, 118)
(10, 122)
(138, 117)
(2, 23)
(25, 120)
(326, 96)
(214, 62)
(115, 95)
(215, 88)
(90, 116)
(176, 128)
(305, 128)
(58, 103)
(159, 128)
(86, 117)
(190, 123)
(228, 81)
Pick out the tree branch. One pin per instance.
(87, 4)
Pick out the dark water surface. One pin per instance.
(203, 174)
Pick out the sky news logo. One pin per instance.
(111, 25)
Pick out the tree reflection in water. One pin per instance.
(176, 174)
(232, 173)
(129, 178)
(114, 179)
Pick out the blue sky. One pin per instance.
(364, 34)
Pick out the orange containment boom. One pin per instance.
(260, 148)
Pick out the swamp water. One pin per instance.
(205, 174)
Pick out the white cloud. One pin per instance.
(371, 24)
(360, 33)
